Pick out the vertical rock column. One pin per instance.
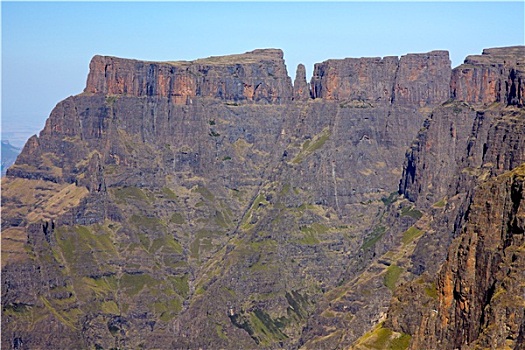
(301, 90)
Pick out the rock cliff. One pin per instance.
(495, 76)
(480, 287)
(468, 164)
(259, 76)
(477, 299)
(462, 143)
(211, 204)
(414, 79)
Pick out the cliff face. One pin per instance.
(465, 123)
(480, 289)
(414, 80)
(462, 166)
(211, 204)
(462, 143)
(259, 76)
(495, 76)
(477, 300)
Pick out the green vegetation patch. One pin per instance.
(440, 204)
(411, 234)
(205, 193)
(391, 276)
(130, 193)
(285, 189)
(110, 307)
(15, 309)
(66, 318)
(132, 284)
(168, 309)
(401, 343)
(266, 329)
(147, 222)
(264, 245)
(202, 241)
(383, 338)
(259, 201)
(298, 303)
(311, 233)
(431, 291)
(169, 193)
(177, 218)
(220, 332)
(412, 212)
(167, 243)
(82, 246)
(390, 199)
(181, 284)
(310, 147)
(376, 235)
(222, 219)
(102, 287)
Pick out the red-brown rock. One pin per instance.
(259, 75)
(420, 79)
(494, 76)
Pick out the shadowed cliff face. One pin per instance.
(480, 287)
(212, 204)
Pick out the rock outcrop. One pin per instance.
(415, 79)
(495, 76)
(460, 145)
(259, 75)
(301, 89)
(480, 287)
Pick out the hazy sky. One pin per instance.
(46, 46)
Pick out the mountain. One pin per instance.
(9, 154)
(213, 204)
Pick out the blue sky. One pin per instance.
(46, 46)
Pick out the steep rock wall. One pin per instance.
(495, 76)
(414, 79)
(477, 300)
(259, 75)
(466, 167)
(466, 132)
